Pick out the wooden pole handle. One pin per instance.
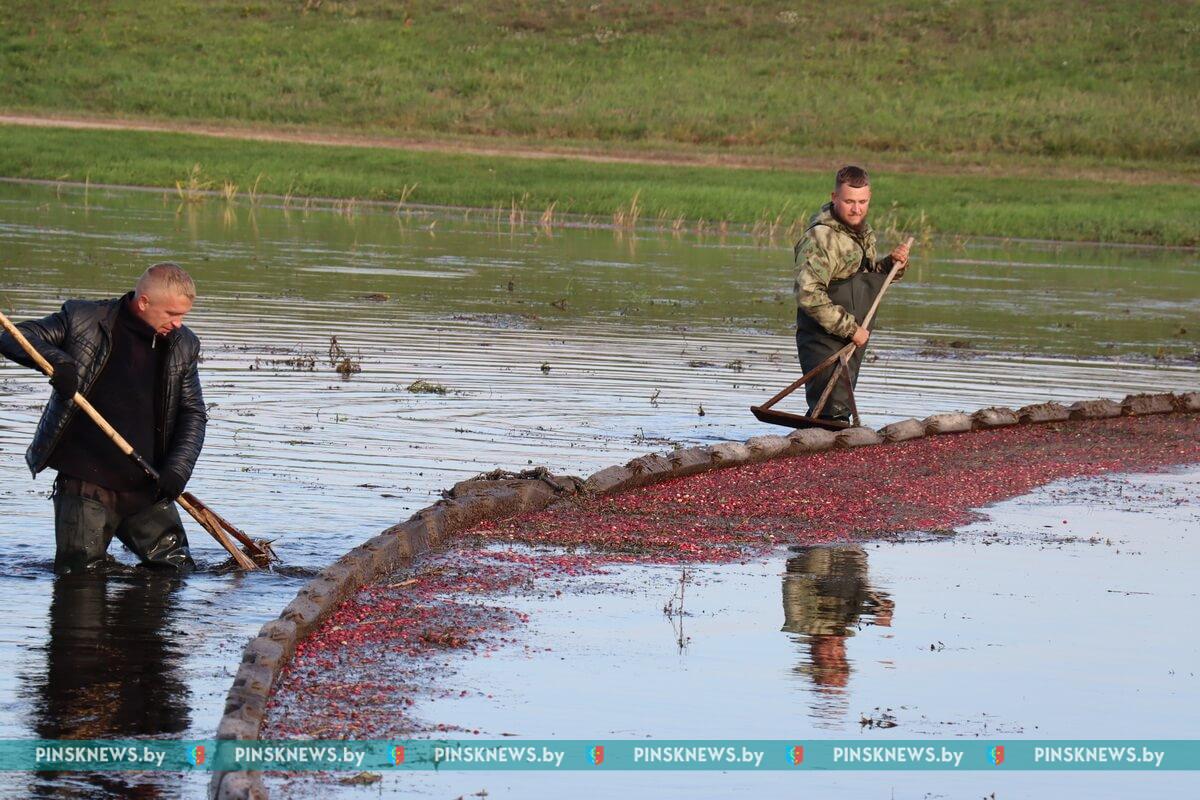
(15, 332)
(79, 399)
(879, 297)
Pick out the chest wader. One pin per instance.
(87, 516)
(814, 344)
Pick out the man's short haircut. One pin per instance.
(168, 278)
(854, 177)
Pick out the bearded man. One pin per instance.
(837, 279)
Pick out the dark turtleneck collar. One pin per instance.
(131, 322)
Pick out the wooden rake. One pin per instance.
(254, 555)
(839, 362)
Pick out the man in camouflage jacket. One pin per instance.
(837, 278)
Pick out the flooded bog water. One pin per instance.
(575, 349)
(1056, 617)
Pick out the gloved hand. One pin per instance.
(65, 379)
(170, 484)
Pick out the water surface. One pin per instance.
(573, 348)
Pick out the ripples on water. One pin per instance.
(575, 350)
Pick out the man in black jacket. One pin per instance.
(135, 361)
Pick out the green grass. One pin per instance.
(967, 205)
(979, 91)
(1113, 83)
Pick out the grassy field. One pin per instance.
(968, 205)
(1073, 120)
(974, 80)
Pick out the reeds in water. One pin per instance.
(194, 187)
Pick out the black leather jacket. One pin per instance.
(82, 332)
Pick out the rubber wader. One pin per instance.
(814, 344)
(84, 527)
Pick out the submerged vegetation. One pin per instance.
(342, 362)
(422, 386)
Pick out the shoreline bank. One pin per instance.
(687, 198)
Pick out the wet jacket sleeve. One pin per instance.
(190, 424)
(47, 335)
(815, 265)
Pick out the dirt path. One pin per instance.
(517, 149)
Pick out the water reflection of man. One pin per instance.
(837, 279)
(112, 671)
(135, 361)
(825, 595)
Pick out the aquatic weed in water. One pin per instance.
(341, 361)
(422, 386)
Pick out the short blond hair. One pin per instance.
(166, 277)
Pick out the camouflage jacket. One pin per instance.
(830, 251)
